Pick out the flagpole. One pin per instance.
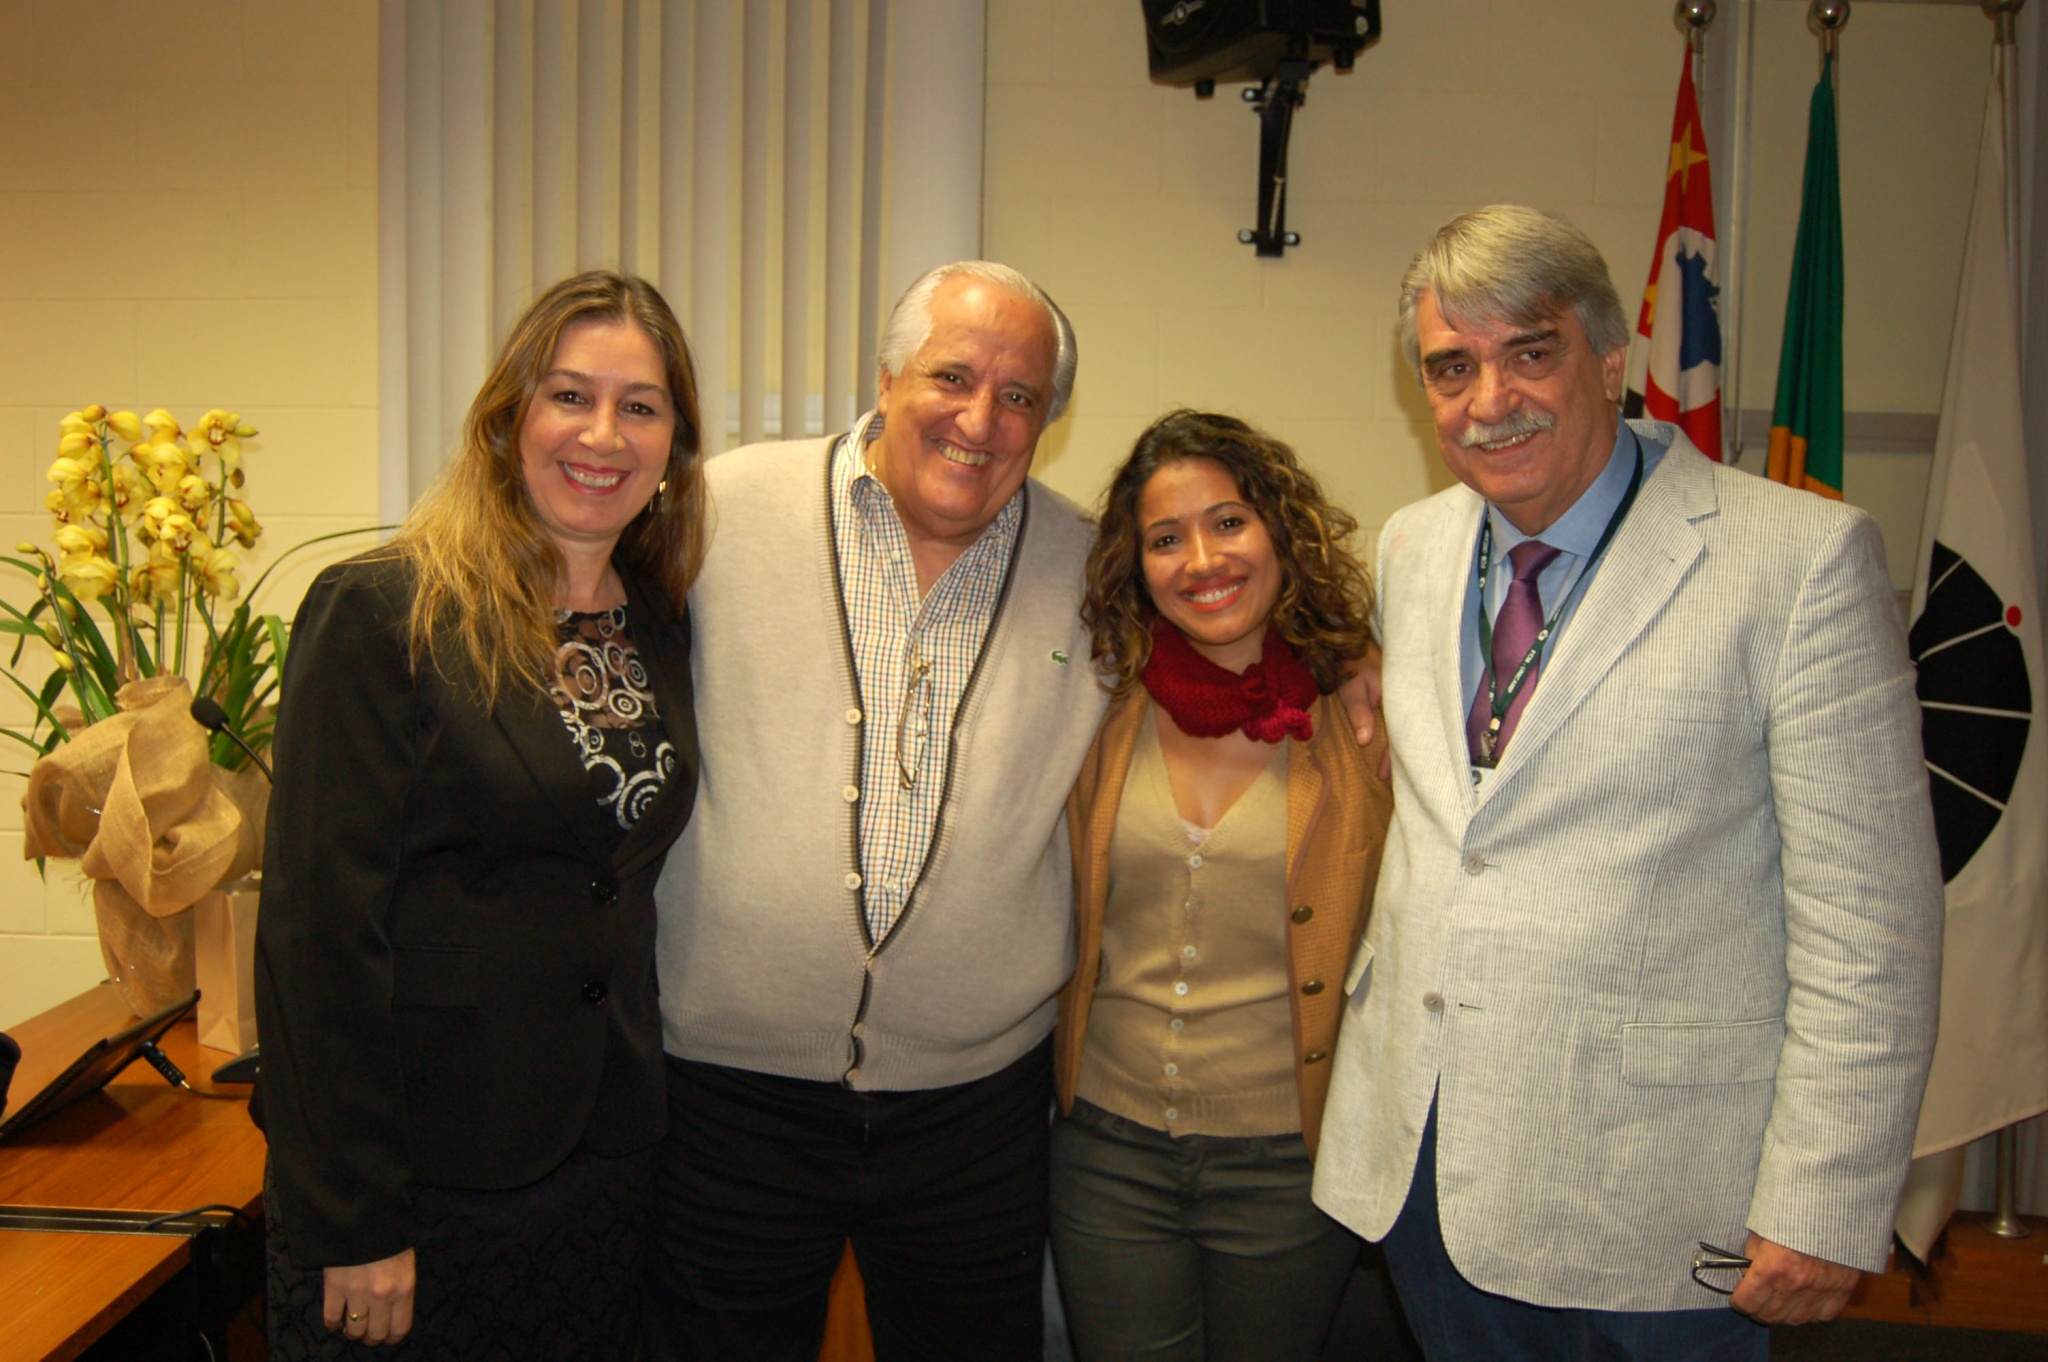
(2004, 15)
(1738, 234)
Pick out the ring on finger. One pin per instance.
(354, 1318)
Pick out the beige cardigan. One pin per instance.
(1337, 812)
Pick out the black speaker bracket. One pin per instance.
(1275, 100)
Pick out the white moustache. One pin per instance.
(1518, 425)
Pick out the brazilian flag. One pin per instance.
(1806, 420)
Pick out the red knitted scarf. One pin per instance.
(1269, 702)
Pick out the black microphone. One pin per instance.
(208, 714)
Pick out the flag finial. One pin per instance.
(1692, 17)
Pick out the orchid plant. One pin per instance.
(145, 535)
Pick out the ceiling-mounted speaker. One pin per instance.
(1204, 41)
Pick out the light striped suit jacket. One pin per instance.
(1673, 973)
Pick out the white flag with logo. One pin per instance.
(1977, 642)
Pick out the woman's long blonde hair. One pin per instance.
(485, 570)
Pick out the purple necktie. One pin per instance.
(1514, 631)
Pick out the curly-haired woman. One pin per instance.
(1227, 832)
(485, 748)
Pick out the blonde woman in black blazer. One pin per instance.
(484, 749)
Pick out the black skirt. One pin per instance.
(550, 1271)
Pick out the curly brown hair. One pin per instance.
(1324, 608)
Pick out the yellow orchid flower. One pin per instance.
(94, 413)
(193, 492)
(78, 481)
(76, 424)
(88, 575)
(160, 421)
(63, 660)
(164, 460)
(130, 486)
(156, 576)
(59, 507)
(76, 540)
(241, 523)
(77, 444)
(125, 424)
(223, 433)
(216, 569)
(176, 531)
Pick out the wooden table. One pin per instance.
(137, 1145)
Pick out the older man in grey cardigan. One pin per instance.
(864, 928)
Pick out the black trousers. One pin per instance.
(764, 1179)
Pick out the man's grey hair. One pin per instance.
(1513, 264)
(910, 323)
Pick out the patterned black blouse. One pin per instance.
(602, 690)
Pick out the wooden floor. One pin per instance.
(1975, 1280)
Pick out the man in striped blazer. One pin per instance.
(1654, 957)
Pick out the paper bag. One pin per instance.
(224, 963)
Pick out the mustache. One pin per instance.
(1517, 425)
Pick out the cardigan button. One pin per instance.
(604, 892)
(594, 992)
(1312, 987)
(1315, 1056)
(1304, 913)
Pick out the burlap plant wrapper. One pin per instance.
(153, 823)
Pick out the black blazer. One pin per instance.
(454, 976)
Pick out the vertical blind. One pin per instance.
(780, 169)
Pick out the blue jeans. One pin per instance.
(1455, 1321)
(1200, 1248)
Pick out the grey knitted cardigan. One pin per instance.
(763, 955)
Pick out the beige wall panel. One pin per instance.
(192, 39)
(1093, 41)
(21, 474)
(1020, 42)
(362, 137)
(57, 139)
(309, 460)
(99, 243)
(1107, 142)
(38, 972)
(1893, 488)
(70, 351)
(1076, 457)
(1633, 148)
(306, 243)
(1345, 158)
(1373, 489)
(1143, 250)
(1475, 152)
(1264, 364)
(1015, 230)
(1209, 149)
(319, 40)
(1445, 47)
(262, 351)
(21, 890)
(67, 902)
(1589, 46)
(1120, 360)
